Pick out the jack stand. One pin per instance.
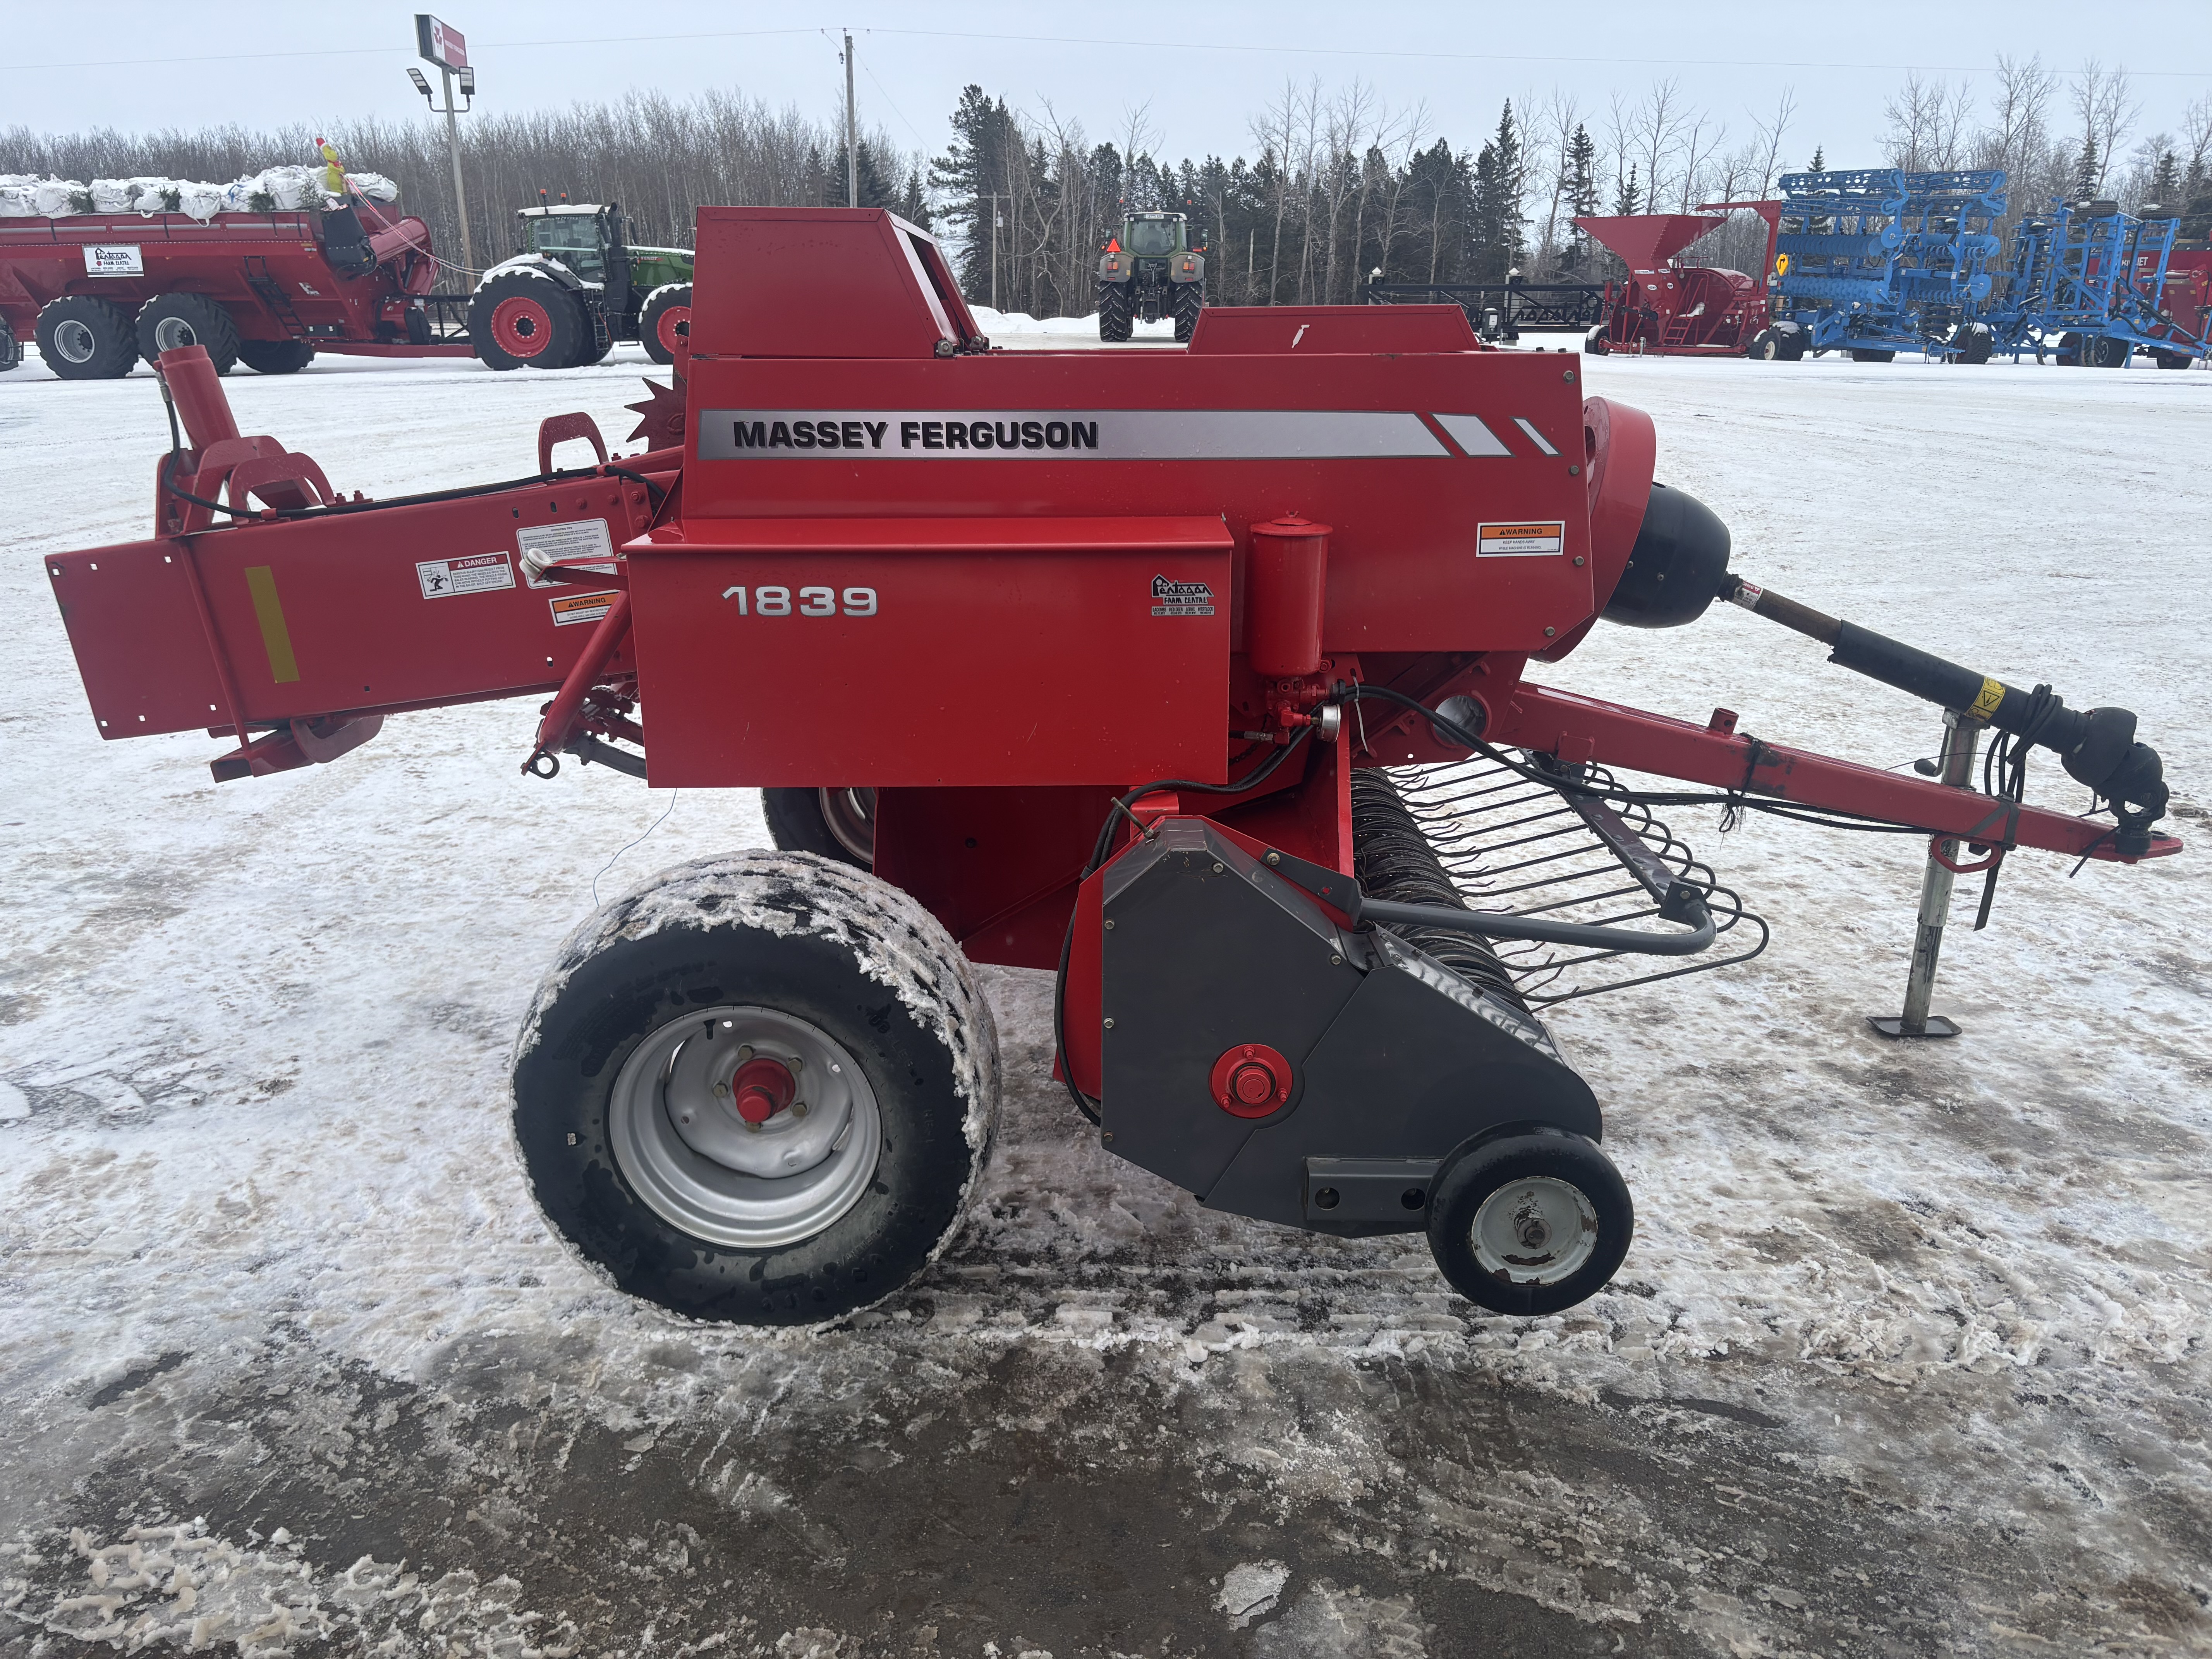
(1961, 737)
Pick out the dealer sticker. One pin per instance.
(579, 607)
(1174, 599)
(541, 545)
(1516, 541)
(443, 578)
(113, 259)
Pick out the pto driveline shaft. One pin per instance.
(1917, 672)
(2097, 746)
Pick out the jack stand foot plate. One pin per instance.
(1893, 1025)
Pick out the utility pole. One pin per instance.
(852, 135)
(443, 44)
(994, 199)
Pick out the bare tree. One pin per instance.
(1655, 135)
(2106, 105)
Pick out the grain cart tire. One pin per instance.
(1113, 315)
(520, 320)
(276, 356)
(1529, 1221)
(1872, 354)
(759, 1089)
(169, 321)
(838, 823)
(666, 319)
(83, 338)
(1189, 301)
(11, 348)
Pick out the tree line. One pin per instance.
(1338, 186)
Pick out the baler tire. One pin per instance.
(835, 822)
(509, 315)
(276, 356)
(1565, 1172)
(667, 314)
(816, 958)
(1189, 301)
(97, 343)
(11, 348)
(170, 321)
(1114, 314)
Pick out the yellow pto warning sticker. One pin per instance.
(1986, 704)
(1519, 540)
(579, 608)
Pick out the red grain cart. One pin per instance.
(1195, 678)
(101, 291)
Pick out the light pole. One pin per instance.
(994, 199)
(441, 44)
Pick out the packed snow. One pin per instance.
(1911, 1353)
(24, 195)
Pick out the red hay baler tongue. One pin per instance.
(1647, 240)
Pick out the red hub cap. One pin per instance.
(674, 328)
(521, 327)
(1250, 1079)
(761, 1089)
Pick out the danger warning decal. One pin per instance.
(443, 578)
(1514, 540)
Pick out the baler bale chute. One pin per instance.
(1194, 676)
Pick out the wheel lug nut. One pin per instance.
(799, 1108)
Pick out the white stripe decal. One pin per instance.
(1534, 436)
(1468, 432)
(1108, 434)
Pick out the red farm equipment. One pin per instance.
(101, 291)
(1195, 678)
(1665, 308)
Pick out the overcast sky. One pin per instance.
(1202, 69)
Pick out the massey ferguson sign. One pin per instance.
(441, 43)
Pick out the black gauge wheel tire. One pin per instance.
(1872, 354)
(1536, 1164)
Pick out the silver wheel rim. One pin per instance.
(174, 334)
(681, 1145)
(850, 815)
(74, 341)
(1539, 1230)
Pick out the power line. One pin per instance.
(1332, 51)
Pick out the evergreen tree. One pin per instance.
(1582, 191)
(969, 173)
(1630, 195)
(1500, 185)
(2165, 179)
(1819, 160)
(2086, 171)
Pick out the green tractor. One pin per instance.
(1152, 271)
(575, 289)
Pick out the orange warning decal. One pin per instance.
(1519, 540)
(579, 607)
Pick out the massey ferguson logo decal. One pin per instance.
(1174, 598)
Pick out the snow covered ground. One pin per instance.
(1910, 1354)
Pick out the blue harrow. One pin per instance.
(1878, 261)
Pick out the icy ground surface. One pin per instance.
(1910, 1356)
